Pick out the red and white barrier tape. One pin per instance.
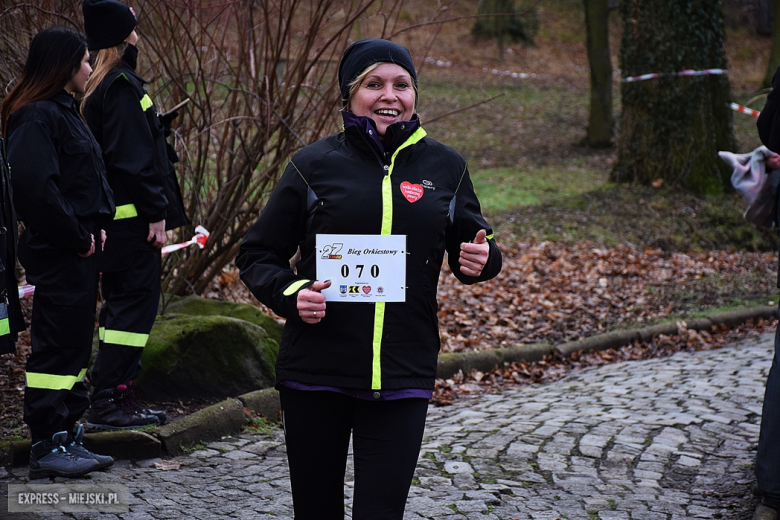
(706, 72)
(200, 238)
(744, 110)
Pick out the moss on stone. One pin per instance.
(197, 306)
(206, 356)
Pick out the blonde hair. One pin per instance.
(103, 62)
(355, 84)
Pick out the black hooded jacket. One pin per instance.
(340, 185)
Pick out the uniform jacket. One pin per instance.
(59, 180)
(124, 120)
(8, 281)
(340, 185)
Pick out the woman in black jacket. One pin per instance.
(373, 210)
(61, 194)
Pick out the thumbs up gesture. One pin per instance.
(474, 255)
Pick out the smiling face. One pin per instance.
(386, 95)
(78, 83)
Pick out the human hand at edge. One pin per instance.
(773, 162)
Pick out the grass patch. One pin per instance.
(261, 425)
(663, 219)
(189, 448)
(500, 189)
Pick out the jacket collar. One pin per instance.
(130, 60)
(65, 99)
(395, 135)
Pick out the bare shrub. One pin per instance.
(260, 76)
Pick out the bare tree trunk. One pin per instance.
(774, 54)
(601, 123)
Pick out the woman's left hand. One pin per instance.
(474, 255)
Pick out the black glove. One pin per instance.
(166, 120)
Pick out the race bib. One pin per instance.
(363, 268)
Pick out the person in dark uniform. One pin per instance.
(384, 202)
(768, 457)
(63, 198)
(124, 121)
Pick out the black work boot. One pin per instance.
(76, 447)
(132, 397)
(112, 411)
(49, 458)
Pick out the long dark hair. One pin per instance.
(54, 58)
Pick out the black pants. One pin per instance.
(768, 456)
(130, 301)
(386, 439)
(63, 321)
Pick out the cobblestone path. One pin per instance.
(660, 439)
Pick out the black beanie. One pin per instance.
(107, 23)
(363, 53)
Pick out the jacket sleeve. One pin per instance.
(769, 121)
(466, 220)
(264, 258)
(129, 150)
(35, 177)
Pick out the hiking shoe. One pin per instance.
(112, 411)
(134, 401)
(764, 512)
(76, 447)
(49, 458)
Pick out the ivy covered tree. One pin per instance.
(672, 127)
(505, 25)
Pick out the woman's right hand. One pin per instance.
(91, 248)
(311, 302)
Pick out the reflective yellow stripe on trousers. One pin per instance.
(119, 337)
(387, 228)
(53, 382)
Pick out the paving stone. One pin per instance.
(662, 439)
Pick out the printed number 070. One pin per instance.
(374, 270)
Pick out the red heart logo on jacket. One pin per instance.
(412, 192)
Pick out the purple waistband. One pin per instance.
(369, 395)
